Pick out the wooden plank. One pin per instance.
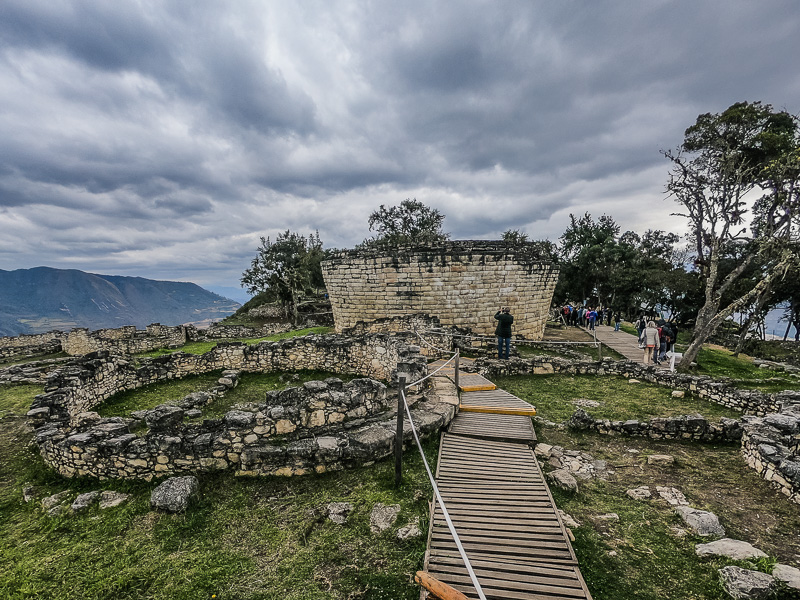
(506, 520)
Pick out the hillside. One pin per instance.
(42, 299)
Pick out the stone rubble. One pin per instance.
(339, 511)
(672, 495)
(702, 522)
(735, 549)
(410, 531)
(744, 584)
(383, 516)
(563, 479)
(173, 494)
(640, 493)
(790, 576)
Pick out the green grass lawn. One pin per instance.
(252, 388)
(642, 555)
(21, 360)
(552, 396)
(17, 399)
(203, 347)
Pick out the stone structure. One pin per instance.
(771, 446)
(127, 340)
(321, 426)
(683, 427)
(721, 391)
(30, 345)
(462, 283)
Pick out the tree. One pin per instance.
(515, 236)
(724, 159)
(410, 223)
(627, 272)
(286, 267)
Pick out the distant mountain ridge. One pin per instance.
(42, 299)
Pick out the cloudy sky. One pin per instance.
(163, 138)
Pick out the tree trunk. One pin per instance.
(762, 298)
(709, 318)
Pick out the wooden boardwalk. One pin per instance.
(501, 508)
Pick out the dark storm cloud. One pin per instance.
(163, 138)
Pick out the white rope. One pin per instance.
(450, 525)
(515, 340)
(418, 381)
(427, 343)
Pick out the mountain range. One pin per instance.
(42, 299)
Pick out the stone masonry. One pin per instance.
(322, 426)
(462, 283)
(127, 340)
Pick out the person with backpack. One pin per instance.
(651, 341)
(503, 332)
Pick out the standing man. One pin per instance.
(503, 331)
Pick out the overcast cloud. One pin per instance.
(163, 138)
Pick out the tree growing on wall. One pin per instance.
(410, 223)
(286, 267)
(724, 160)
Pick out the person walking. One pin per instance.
(617, 320)
(651, 341)
(503, 331)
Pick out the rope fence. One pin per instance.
(398, 456)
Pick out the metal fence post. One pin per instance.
(455, 379)
(398, 437)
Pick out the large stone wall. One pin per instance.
(324, 425)
(89, 381)
(462, 283)
(721, 391)
(128, 339)
(321, 426)
(771, 446)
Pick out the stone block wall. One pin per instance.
(317, 427)
(721, 391)
(683, 427)
(462, 283)
(124, 340)
(128, 339)
(87, 382)
(770, 445)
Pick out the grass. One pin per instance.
(17, 399)
(245, 538)
(203, 347)
(252, 388)
(641, 555)
(552, 396)
(150, 396)
(21, 360)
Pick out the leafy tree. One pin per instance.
(724, 159)
(286, 267)
(628, 272)
(410, 223)
(515, 236)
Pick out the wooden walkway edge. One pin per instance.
(501, 507)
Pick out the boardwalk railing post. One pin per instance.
(600, 351)
(398, 437)
(455, 379)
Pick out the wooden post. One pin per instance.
(438, 589)
(398, 437)
(600, 351)
(455, 380)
